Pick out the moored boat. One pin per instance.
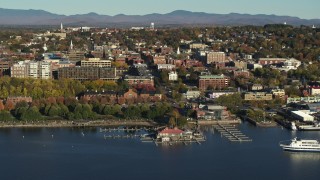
(293, 126)
(301, 145)
(314, 127)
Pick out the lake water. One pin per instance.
(66, 153)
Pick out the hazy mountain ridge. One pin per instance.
(179, 17)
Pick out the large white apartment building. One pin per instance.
(33, 69)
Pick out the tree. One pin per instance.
(9, 105)
(5, 115)
(53, 111)
(22, 104)
(1, 105)
(31, 114)
(172, 122)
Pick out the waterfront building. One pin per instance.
(212, 112)
(302, 116)
(169, 134)
(213, 81)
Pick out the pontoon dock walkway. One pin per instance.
(231, 133)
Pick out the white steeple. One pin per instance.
(61, 27)
(71, 45)
(45, 47)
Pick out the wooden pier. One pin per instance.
(124, 129)
(121, 136)
(231, 133)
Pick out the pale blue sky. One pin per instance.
(307, 9)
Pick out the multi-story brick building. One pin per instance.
(216, 57)
(140, 81)
(95, 62)
(76, 55)
(267, 61)
(241, 73)
(5, 67)
(159, 59)
(213, 81)
(87, 73)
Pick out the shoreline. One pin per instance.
(62, 124)
(98, 123)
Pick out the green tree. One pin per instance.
(5, 116)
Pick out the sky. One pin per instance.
(306, 9)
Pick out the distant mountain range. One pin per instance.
(176, 18)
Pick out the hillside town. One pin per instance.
(167, 75)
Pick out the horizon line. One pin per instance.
(210, 13)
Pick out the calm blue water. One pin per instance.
(71, 155)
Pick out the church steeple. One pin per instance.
(61, 27)
(71, 45)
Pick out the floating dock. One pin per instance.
(231, 133)
(125, 129)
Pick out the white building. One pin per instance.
(173, 76)
(248, 56)
(315, 90)
(278, 92)
(166, 66)
(192, 94)
(33, 69)
(302, 116)
(290, 64)
(19, 70)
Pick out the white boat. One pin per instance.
(293, 126)
(301, 145)
(314, 127)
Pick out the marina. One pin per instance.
(231, 133)
(138, 153)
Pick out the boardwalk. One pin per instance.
(231, 133)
